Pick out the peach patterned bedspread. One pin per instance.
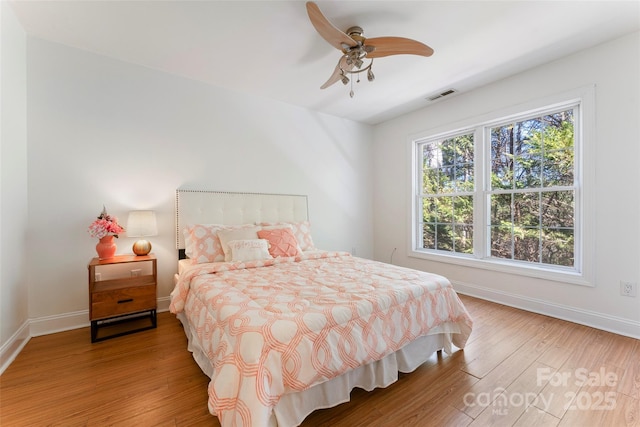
(282, 325)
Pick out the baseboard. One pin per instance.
(14, 345)
(67, 321)
(50, 325)
(58, 323)
(589, 318)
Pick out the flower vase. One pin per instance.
(106, 247)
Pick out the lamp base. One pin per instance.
(142, 247)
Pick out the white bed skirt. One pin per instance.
(293, 408)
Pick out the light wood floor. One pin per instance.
(518, 369)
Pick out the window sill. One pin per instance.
(554, 274)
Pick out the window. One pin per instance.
(531, 190)
(446, 199)
(504, 194)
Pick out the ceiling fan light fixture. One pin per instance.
(370, 75)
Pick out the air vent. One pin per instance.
(440, 95)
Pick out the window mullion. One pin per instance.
(418, 199)
(480, 200)
(578, 188)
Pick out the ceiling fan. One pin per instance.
(356, 48)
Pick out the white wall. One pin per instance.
(13, 187)
(107, 132)
(614, 68)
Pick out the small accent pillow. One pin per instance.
(302, 231)
(249, 250)
(226, 236)
(282, 242)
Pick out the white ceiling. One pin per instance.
(270, 49)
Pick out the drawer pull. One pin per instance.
(122, 301)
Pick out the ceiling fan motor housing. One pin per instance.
(356, 33)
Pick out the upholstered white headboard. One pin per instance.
(215, 207)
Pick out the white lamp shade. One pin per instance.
(142, 224)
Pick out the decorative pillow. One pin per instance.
(281, 226)
(202, 243)
(244, 233)
(249, 250)
(302, 231)
(188, 242)
(282, 242)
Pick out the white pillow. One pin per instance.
(202, 243)
(226, 236)
(249, 250)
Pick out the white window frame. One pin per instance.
(584, 133)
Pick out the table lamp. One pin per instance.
(142, 224)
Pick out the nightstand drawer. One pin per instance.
(115, 302)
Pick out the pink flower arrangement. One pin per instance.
(105, 225)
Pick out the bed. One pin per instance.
(283, 328)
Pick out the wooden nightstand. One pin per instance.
(126, 298)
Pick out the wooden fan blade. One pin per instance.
(386, 46)
(334, 78)
(337, 73)
(326, 29)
